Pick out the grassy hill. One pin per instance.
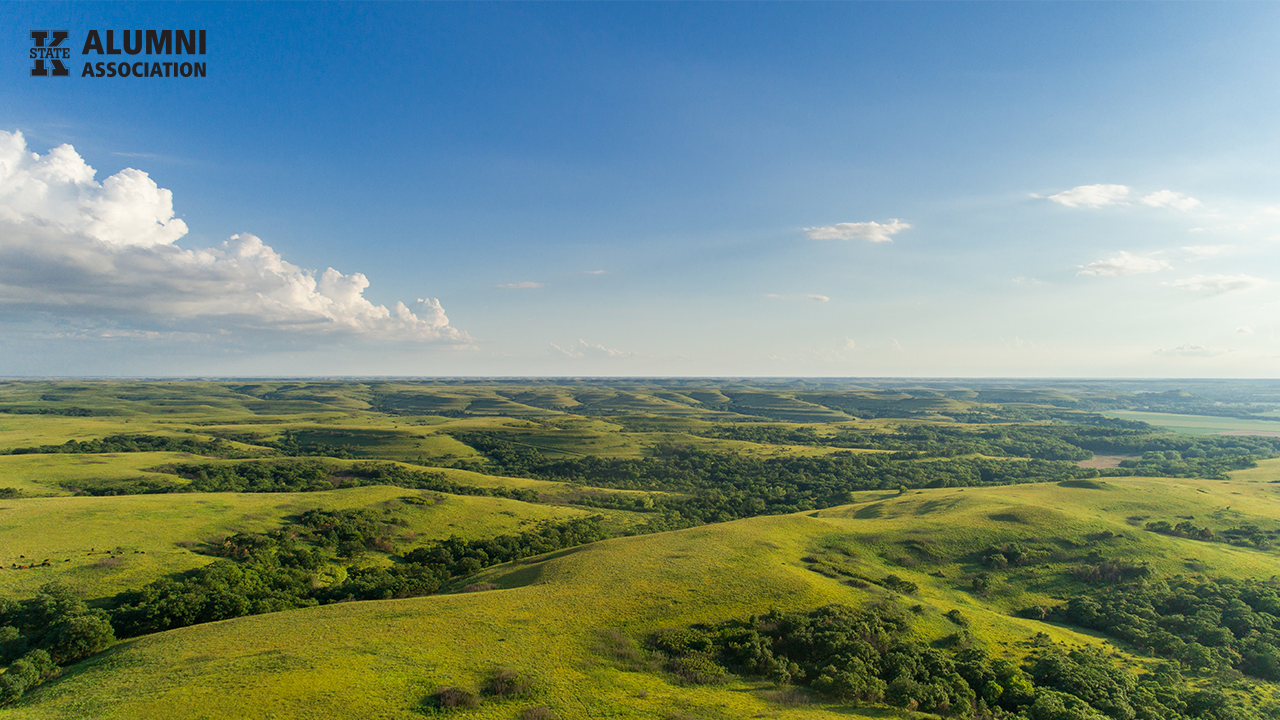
(550, 618)
(908, 491)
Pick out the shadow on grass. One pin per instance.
(529, 570)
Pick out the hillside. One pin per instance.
(545, 617)
(236, 537)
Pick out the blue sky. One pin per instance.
(898, 189)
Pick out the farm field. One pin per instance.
(299, 549)
(1202, 424)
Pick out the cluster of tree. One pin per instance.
(870, 655)
(1184, 403)
(135, 443)
(1186, 529)
(760, 433)
(311, 563)
(290, 444)
(290, 476)
(40, 633)
(260, 477)
(1170, 454)
(938, 440)
(718, 487)
(1160, 454)
(1204, 625)
(465, 557)
(999, 557)
(65, 411)
(1113, 571)
(1247, 535)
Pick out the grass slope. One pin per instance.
(100, 546)
(380, 659)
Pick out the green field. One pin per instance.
(1202, 424)
(721, 501)
(381, 659)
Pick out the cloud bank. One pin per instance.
(70, 245)
(1191, 350)
(586, 349)
(869, 231)
(1218, 284)
(1124, 264)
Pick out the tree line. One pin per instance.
(871, 655)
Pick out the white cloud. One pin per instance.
(1218, 284)
(1124, 264)
(594, 272)
(849, 344)
(71, 245)
(1092, 195)
(585, 349)
(1231, 228)
(522, 285)
(1196, 252)
(1170, 199)
(869, 231)
(1189, 350)
(1027, 281)
(808, 296)
(1244, 330)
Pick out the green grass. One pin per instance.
(380, 659)
(158, 535)
(45, 475)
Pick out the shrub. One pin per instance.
(697, 670)
(621, 650)
(506, 683)
(538, 712)
(453, 698)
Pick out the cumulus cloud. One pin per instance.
(1189, 350)
(586, 349)
(522, 285)
(1092, 195)
(817, 298)
(1124, 264)
(73, 246)
(1170, 199)
(1218, 284)
(869, 231)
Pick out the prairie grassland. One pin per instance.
(100, 546)
(1199, 424)
(381, 659)
(46, 475)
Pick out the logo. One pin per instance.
(157, 53)
(48, 47)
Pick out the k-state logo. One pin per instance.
(48, 46)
